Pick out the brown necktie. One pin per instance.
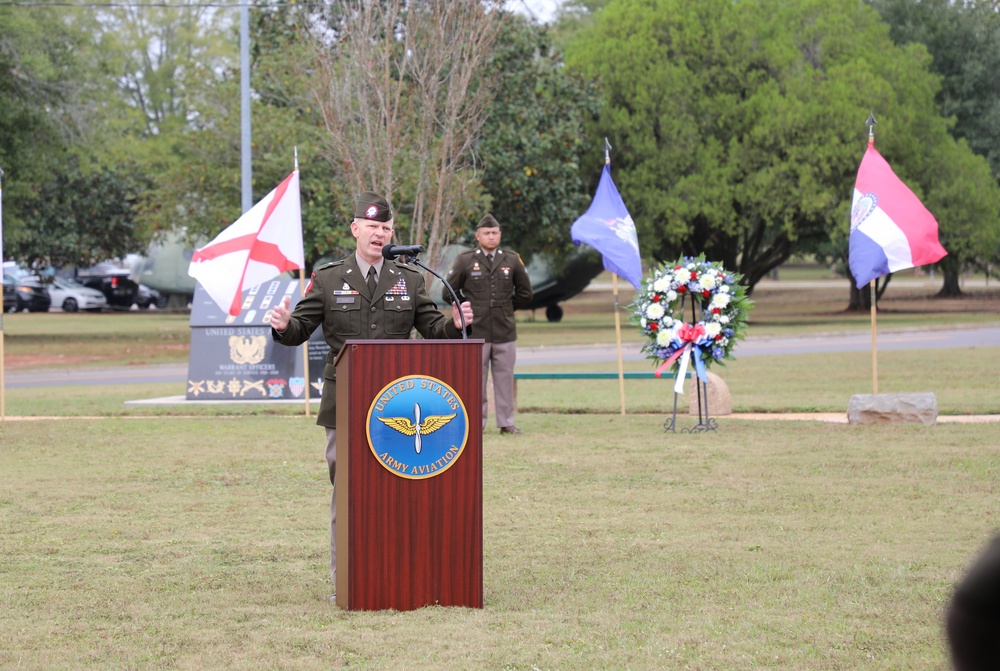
(372, 281)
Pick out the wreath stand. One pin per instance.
(705, 422)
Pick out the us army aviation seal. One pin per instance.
(417, 427)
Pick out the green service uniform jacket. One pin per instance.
(495, 291)
(338, 300)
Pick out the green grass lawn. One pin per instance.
(201, 543)
(154, 539)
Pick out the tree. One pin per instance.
(534, 143)
(200, 188)
(963, 39)
(164, 61)
(739, 125)
(39, 90)
(399, 89)
(89, 217)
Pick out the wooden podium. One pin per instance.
(409, 481)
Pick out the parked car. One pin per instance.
(147, 298)
(71, 296)
(9, 296)
(29, 294)
(116, 285)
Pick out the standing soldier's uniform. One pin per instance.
(496, 287)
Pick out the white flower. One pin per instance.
(642, 323)
(720, 301)
(706, 282)
(724, 289)
(654, 311)
(664, 338)
(723, 319)
(668, 322)
(683, 276)
(671, 295)
(661, 285)
(712, 329)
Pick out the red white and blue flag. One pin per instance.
(607, 227)
(891, 230)
(266, 241)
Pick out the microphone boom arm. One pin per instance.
(412, 258)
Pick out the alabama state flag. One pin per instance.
(891, 229)
(265, 242)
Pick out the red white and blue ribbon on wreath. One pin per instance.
(688, 339)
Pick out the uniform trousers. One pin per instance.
(498, 360)
(331, 462)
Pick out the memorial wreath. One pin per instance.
(716, 307)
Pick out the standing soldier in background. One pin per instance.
(495, 282)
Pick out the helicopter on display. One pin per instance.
(165, 264)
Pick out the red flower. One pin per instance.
(694, 277)
(716, 311)
(681, 289)
(656, 298)
(653, 326)
(718, 337)
(706, 293)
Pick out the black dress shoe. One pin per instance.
(510, 429)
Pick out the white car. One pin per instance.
(71, 296)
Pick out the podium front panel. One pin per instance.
(409, 474)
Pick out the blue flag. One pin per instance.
(607, 227)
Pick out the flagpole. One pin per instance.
(874, 348)
(618, 320)
(871, 143)
(618, 338)
(302, 290)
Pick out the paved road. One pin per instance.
(984, 336)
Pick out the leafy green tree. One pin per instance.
(739, 125)
(89, 216)
(963, 39)
(39, 92)
(200, 191)
(571, 16)
(164, 61)
(534, 145)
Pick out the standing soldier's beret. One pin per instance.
(488, 222)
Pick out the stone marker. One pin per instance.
(719, 401)
(892, 408)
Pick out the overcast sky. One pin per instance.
(544, 10)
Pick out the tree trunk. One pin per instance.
(861, 299)
(950, 287)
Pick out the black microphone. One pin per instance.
(392, 251)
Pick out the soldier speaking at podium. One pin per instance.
(362, 297)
